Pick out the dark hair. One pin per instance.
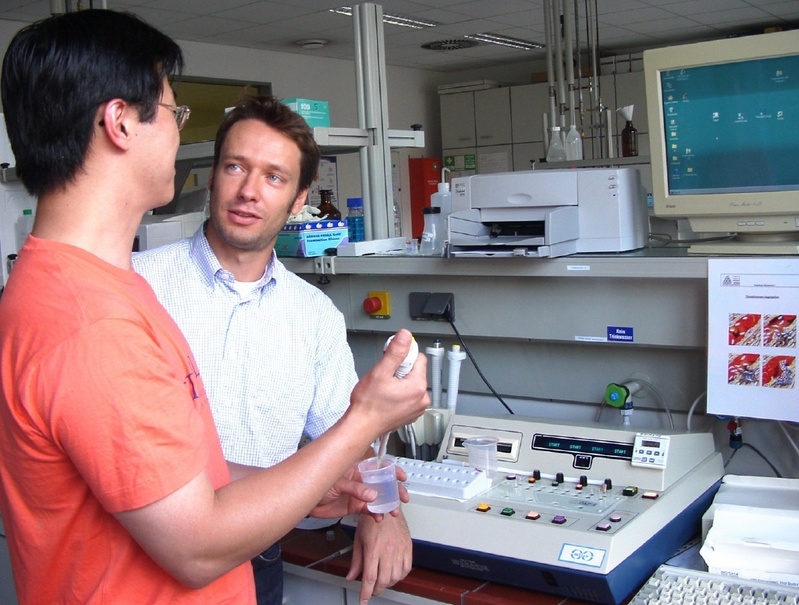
(56, 74)
(279, 116)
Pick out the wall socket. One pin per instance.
(435, 306)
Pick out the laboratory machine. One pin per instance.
(583, 511)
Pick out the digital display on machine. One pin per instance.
(591, 447)
(732, 127)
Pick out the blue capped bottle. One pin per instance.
(356, 232)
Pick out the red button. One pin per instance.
(372, 305)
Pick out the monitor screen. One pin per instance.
(724, 138)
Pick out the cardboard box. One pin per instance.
(316, 113)
(312, 238)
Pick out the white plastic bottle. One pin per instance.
(574, 144)
(557, 151)
(443, 197)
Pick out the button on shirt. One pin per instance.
(275, 360)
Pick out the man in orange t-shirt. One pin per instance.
(113, 487)
(87, 441)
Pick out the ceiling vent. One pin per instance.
(455, 44)
(311, 44)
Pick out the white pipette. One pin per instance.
(401, 372)
(455, 357)
(436, 356)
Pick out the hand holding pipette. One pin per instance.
(401, 372)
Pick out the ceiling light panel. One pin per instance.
(506, 41)
(391, 19)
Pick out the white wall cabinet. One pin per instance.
(477, 124)
(457, 120)
(492, 117)
(528, 104)
(480, 118)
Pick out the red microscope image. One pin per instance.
(779, 331)
(744, 329)
(779, 371)
(744, 369)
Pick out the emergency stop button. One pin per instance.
(378, 304)
(372, 304)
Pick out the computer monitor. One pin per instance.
(724, 140)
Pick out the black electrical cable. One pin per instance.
(474, 363)
(759, 453)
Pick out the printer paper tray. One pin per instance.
(497, 252)
(522, 248)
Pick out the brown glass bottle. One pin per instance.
(629, 140)
(326, 207)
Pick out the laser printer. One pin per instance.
(548, 213)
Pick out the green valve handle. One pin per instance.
(616, 395)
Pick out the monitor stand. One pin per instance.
(747, 246)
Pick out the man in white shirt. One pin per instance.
(271, 348)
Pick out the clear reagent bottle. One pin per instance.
(432, 243)
(557, 151)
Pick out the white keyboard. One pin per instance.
(444, 479)
(678, 585)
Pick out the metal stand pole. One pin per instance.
(371, 92)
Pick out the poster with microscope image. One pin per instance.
(753, 304)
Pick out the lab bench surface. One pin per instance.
(307, 554)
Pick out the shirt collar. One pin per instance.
(212, 271)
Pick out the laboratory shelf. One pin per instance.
(331, 141)
(335, 141)
(641, 264)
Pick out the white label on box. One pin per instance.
(581, 555)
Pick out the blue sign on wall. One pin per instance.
(620, 334)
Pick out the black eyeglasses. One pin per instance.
(181, 112)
